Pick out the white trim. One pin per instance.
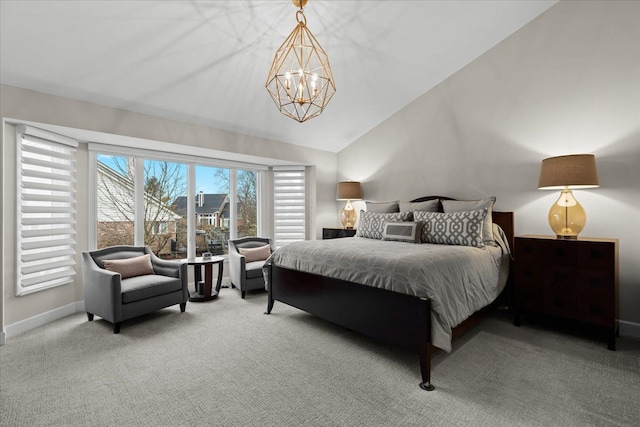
(42, 319)
(92, 201)
(138, 188)
(172, 156)
(191, 211)
(2, 337)
(629, 329)
(289, 168)
(233, 207)
(46, 135)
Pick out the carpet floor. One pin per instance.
(225, 363)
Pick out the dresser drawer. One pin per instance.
(597, 255)
(559, 252)
(529, 251)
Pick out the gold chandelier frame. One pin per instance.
(300, 80)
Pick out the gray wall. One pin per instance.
(42, 108)
(568, 82)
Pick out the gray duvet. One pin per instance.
(459, 280)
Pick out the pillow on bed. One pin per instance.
(469, 205)
(402, 231)
(454, 228)
(371, 225)
(130, 267)
(255, 254)
(428, 206)
(382, 207)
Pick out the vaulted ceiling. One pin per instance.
(206, 62)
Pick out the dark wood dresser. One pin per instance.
(337, 233)
(568, 279)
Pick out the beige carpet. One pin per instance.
(225, 363)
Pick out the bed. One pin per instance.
(388, 309)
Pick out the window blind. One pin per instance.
(289, 223)
(46, 188)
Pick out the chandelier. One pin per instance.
(300, 81)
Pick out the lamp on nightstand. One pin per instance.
(348, 190)
(567, 217)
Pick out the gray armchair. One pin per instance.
(244, 275)
(115, 299)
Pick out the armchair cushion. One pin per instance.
(259, 253)
(149, 286)
(130, 267)
(254, 269)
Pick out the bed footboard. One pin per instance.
(390, 317)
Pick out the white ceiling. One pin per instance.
(206, 62)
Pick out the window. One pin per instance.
(247, 196)
(46, 185)
(179, 205)
(213, 210)
(288, 205)
(115, 201)
(165, 189)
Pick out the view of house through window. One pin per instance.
(166, 205)
(212, 210)
(115, 201)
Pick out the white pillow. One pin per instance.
(470, 205)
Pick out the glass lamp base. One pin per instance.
(567, 217)
(348, 216)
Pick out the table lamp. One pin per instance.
(567, 217)
(348, 190)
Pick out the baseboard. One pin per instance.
(41, 319)
(629, 329)
(2, 335)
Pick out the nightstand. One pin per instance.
(573, 280)
(337, 233)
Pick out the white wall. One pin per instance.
(568, 82)
(33, 106)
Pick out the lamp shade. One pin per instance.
(349, 190)
(573, 171)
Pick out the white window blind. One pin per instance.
(46, 188)
(288, 205)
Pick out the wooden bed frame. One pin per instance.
(391, 317)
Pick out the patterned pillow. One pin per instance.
(130, 267)
(402, 231)
(455, 228)
(382, 207)
(371, 224)
(469, 205)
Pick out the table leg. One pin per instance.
(220, 271)
(208, 272)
